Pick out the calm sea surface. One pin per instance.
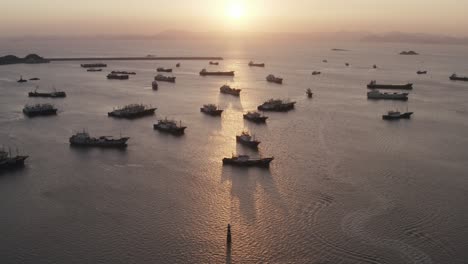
(345, 186)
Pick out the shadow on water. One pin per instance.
(244, 182)
(228, 254)
(227, 101)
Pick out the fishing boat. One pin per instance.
(154, 85)
(34, 79)
(395, 115)
(421, 72)
(309, 93)
(247, 140)
(170, 126)
(272, 78)
(455, 77)
(316, 73)
(276, 105)
(211, 109)
(226, 89)
(255, 117)
(8, 161)
(163, 78)
(177, 65)
(246, 161)
(112, 76)
(39, 110)
(374, 85)
(214, 63)
(21, 80)
(160, 69)
(83, 139)
(252, 64)
(132, 111)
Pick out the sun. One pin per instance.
(236, 10)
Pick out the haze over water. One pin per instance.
(345, 186)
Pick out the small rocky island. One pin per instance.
(410, 52)
(30, 59)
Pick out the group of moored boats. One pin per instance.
(375, 94)
(176, 128)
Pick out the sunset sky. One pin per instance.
(88, 17)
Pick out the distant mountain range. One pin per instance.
(317, 36)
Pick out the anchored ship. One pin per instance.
(34, 79)
(316, 73)
(252, 64)
(160, 69)
(7, 161)
(273, 79)
(132, 111)
(83, 139)
(39, 110)
(374, 85)
(178, 65)
(214, 63)
(163, 78)
(255, 117)
(276, 105)
(94, 65)
(170, 126)
(54, 94)
(155, 85)
(247, 140)
(226, 89)
(94, 70)
(204, 72)
(309, 93)
(246, 161)
(454, 77)
(123, 72)
(112, 76)
(421, 72)
(376, 94)
(211, 109)
(21, 80)
(394, 115)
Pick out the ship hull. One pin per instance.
(402, 116)
(217, 73)
(281, 108)
(277, 81)
(257, 120)
(118, 143)
(40, 113)
(174, 131)
(234, 93)
(463, 79)
(408, 86)
(94, 65)
(250, 144)
(263, 163)
(118, 77)
(257, 64)
(15, 162)
(49, 95)
(398, 98)
(164, 70)
(212, 113)
(170, 80)
(146, 112)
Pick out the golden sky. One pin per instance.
(89, 17)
